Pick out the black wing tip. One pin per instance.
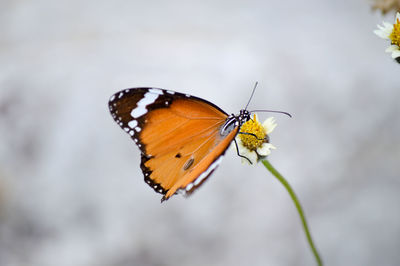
(119, 94)
(164, 198)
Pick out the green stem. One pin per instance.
(281, 179)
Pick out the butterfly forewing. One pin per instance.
(178, 135)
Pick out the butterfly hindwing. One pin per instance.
(178, 135)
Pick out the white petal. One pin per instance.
(269, 125)
(265, 149)
(240, 144)
(396, 54)
(251, 155)
(380, 28)
(388, 25)
(385, 30)
(397, 16)
(381, 34)
(392, 48)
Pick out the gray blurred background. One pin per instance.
(71, 189)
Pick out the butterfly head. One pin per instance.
(243, 116)
(234, 121)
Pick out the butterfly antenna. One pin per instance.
(252, 93)
(272, 111)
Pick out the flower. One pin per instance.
(255, 145)
(392, 33)
(386, 5)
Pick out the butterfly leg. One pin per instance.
(237, 151)
(254, 135)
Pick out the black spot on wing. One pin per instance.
(188, 164)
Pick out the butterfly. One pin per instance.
(182, 138)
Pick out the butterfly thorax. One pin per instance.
(234, 121)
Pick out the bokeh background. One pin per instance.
(71, 189)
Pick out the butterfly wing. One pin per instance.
(178, 135)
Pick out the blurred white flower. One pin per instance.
(386, 5)
(391, 32)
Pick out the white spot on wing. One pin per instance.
(189, 187)
(208, 171)
(120, 94)
(182, 191)
(132, 123)
(156, 91)
(138, 129)
(138, 111)
(171, 92)
(148, 99)
(203, 175)
(112, 98)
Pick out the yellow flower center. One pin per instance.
(395, 35)
(254, 127)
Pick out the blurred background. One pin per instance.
(71, 189)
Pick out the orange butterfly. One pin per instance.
(182, 138)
